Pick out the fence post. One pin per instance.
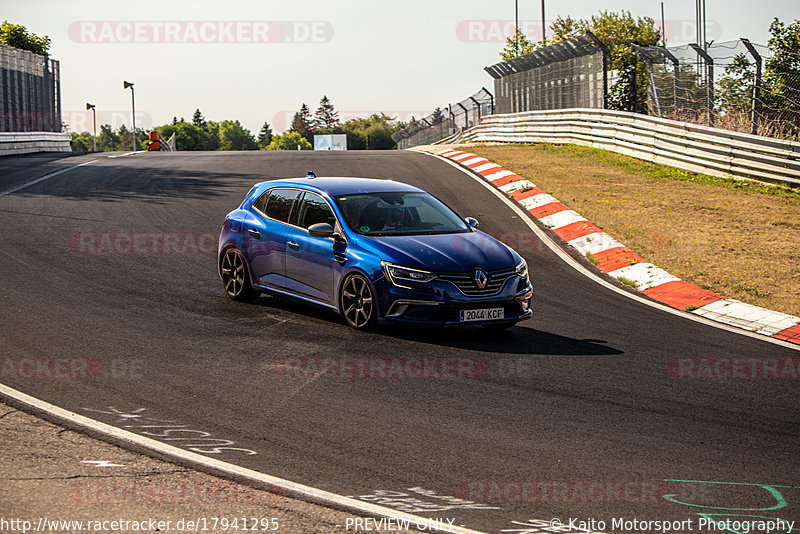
(756, 108)
(466, 115)
(478, 107)
(709, 80)
(491, 99)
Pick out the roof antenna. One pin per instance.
(311, 174)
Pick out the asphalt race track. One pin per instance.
(581, 412)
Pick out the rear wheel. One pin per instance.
(357, 302)
(235, 278)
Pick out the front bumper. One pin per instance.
(440, 305)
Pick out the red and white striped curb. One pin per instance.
(611, 257)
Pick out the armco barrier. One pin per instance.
(26, 142)
(679, 144)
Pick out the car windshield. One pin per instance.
(383, 214)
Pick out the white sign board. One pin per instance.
(330, 142)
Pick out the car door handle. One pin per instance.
(254, 233)
(293, 245)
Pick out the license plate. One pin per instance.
(486, 314)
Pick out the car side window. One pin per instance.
(279, 205)
(261, 203)
(313, 210)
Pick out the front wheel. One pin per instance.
(235, 278)
(357, 302)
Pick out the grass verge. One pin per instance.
(737, 238)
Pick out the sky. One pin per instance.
(258, 60)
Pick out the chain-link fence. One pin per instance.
(569, 74)
(736, 85)
(29, 91)
(444, 122)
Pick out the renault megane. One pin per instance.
(375, 251)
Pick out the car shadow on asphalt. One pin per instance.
(516, 340)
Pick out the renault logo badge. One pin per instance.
(480, 278)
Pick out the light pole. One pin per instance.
(544, 27)
(516, 27)
(94, 124)
(125, 85)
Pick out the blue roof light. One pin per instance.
(311, 174)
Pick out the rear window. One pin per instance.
(280, 202)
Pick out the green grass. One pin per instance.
(591, 258)
(627, 282)
(663, 172)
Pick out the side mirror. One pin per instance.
(472, 221)
(324, 230)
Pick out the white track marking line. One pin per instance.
(43, 178)
(572, 262)
(215, 467)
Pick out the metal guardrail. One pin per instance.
(27, 142)
(683, 145)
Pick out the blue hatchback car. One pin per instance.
(372, 250)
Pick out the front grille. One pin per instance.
(464, 282)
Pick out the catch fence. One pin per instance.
(29, 92)
(569, 74)
(736, 85)
(444, 122)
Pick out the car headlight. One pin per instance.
(522, 270)
(399, 275)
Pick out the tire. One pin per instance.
(235, 277)
(357, 303)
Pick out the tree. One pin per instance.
(371, 133)
(81, 142)
(187, 136)
(198, 120)
(18, 36)
(212, 141)
(234, 136)
(107, 139)
(325, 116)
(735, 92)
(265, 136)
(518, 45)
(302, 123)
(618, 31)
(782, 70)
(289, 141)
